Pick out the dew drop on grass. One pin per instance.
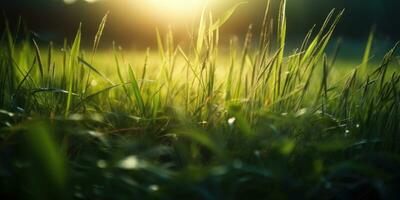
(95, 134)
(154, 188)
(231, 121)
(358, 125)
(8, 124)
(101, 164)
(94, 83)
(346, 133)
(97, 117)
(203, 122)
(76, 117)
(301, 112)
(69, 1)
(130, 162)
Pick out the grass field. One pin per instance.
(249, 119)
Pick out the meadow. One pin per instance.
(249, 119)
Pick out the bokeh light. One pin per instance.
(73, 1)
(69, 1)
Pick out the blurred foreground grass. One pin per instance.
(249, 121)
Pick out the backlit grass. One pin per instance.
(250, 119)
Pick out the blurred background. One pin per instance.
(133, 22)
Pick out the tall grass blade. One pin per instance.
(137, 92)
(225, 17)
(99, 35)
(71, 67)
(39, 59)
(367, 52)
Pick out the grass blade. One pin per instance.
(72, 60)
(136, 91)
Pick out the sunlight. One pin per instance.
(177, 5)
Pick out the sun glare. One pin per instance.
(177, 7)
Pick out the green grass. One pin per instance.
(244, 120)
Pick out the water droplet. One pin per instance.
(130, 162)
(346, 133)
(301, 112)
(358, 125)
(101, 164)
(94, 83)
(97, 117)
(76, 117)
(95, 134)
(69, 1)
(231, 121)
(154, 188)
